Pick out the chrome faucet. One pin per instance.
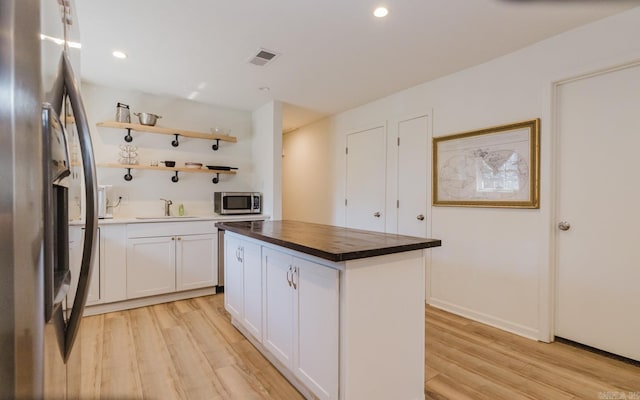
(167, 207)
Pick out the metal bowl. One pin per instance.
(147, 118)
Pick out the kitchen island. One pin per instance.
(339, 311)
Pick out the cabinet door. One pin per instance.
(233, 276)
(316, 323)
(113, 263)
(278, 305)
(252, 296)
(150, 266)
(196, 259)
(76, 240)
(94, 285)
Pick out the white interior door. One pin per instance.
(598, 258)
(412, 176)
(366, 179)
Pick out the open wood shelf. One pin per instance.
(167, 131)
(175, 170)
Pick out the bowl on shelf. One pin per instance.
(169, 163)
(148, 119)
(193, 165)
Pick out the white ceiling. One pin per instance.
(335, 54)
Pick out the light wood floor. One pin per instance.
(189, 350)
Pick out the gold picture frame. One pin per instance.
(491, 167)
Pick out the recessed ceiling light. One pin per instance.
(265, 89)
(381, 12)
(119, 54)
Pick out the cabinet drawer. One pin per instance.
(153, 229)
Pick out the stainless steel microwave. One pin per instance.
(229, 203)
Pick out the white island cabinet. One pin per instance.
(342, 310)
(301, 313)
(243, 283)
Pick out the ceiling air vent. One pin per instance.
(263, 57)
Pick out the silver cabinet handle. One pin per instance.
(289, 275)
(376, 214)
(293, 275)
(420, 217)
(564, 225)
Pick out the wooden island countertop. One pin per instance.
(329, 242)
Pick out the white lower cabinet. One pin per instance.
(76, 243)
(278, 305)
(196, 259)
(301, 319)
(252, 294)
(233, 276)
(165, 257)
(243, 283)
(316, 326)
(151, 266)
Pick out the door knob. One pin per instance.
(376, 214)
(564, 225)
(420, 217)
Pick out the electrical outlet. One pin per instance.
(124, 199)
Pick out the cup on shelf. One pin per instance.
(169, 163)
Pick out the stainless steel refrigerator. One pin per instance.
(39, 92)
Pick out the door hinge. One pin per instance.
(345, 202)
(346, 150)
(398, 140)
(397, 203)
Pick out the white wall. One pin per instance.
(267, 156)
(307, 177)
(495, 265)
(194, 190)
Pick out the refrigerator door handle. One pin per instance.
(91, 216)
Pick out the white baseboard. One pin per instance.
(518, 329)
(94, 309)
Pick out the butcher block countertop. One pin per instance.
(332, 243)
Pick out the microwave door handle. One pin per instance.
(91, 217)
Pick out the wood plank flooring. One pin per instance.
(189, 350)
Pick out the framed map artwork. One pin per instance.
(492, 167)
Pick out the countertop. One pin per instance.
(188, 218)
(329, 242)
